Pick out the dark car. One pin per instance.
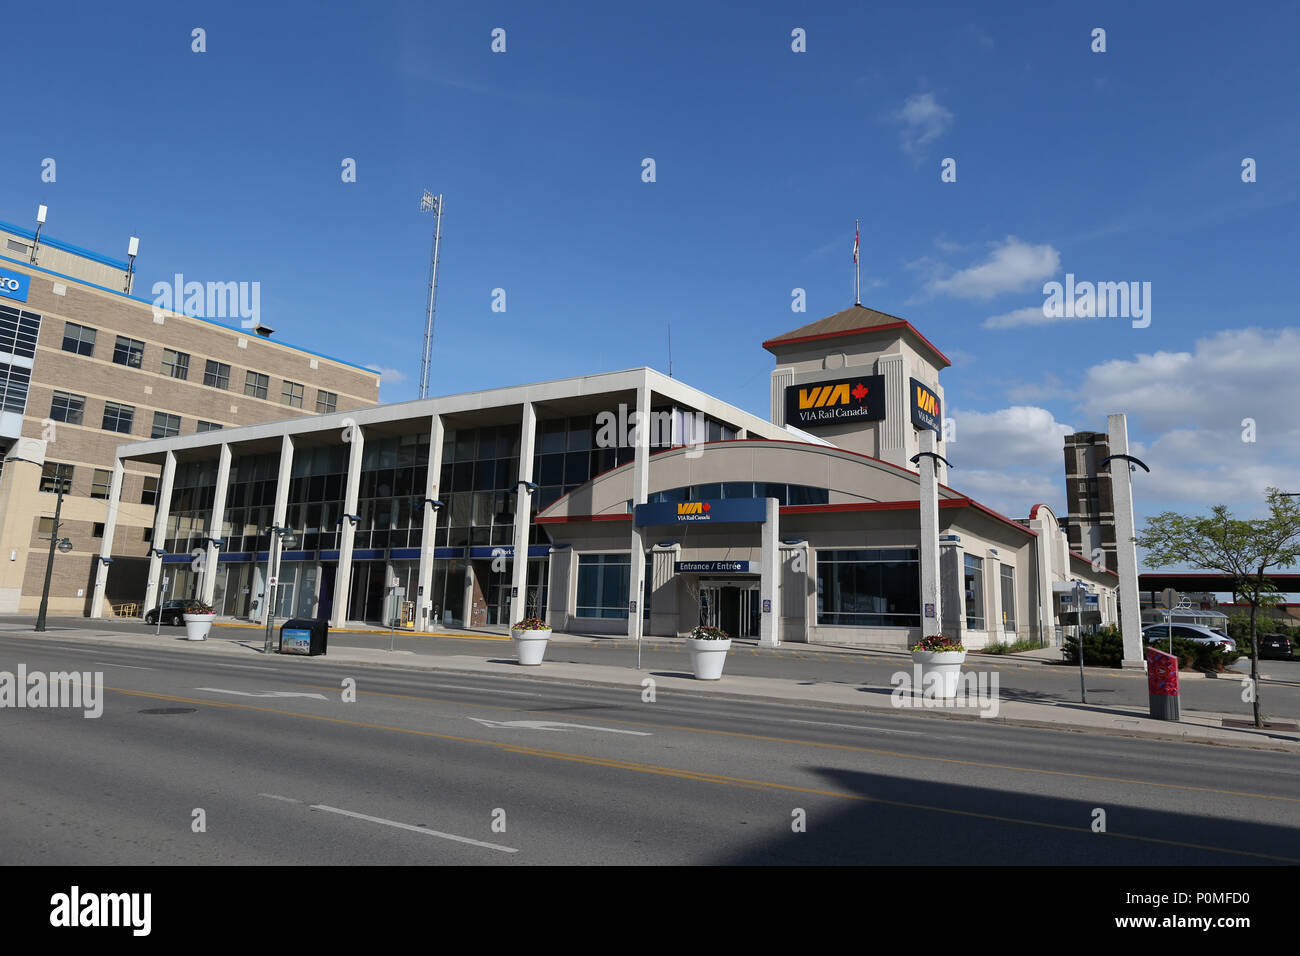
(173, 612)
(1275, 645)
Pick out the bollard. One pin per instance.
(1162, 684)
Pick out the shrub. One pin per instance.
(1028, 644)
(1102, 648)
(1193, 654)
(706, 632)
(198, 607)
(531, 624)
(939, 643)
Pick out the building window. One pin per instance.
(208, 427)
(255, 384)
(974, 593)
(22, 248)
(128, 352)
(146, 535)
(291, 394)
(603, 583)
(216, 374)
(1008, 575)
(45, 525)
(54, 474)
(326, 401)
(176, 364)
(165, 426)
(18, 331)
(66, 407)
(101, 483)
(97, 529)
(149, 494)
(79, 339)
(14, 381)
(872, 587)
(118, 418)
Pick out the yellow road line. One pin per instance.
(703, 777)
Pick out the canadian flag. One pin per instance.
(855, 244)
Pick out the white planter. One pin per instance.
(198, 625)
(530, 646)
(707, 657)
(946, 665)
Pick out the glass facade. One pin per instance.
(193, 490)
(974, 578)
(604, 581)
(872, 587)
(1008, 577)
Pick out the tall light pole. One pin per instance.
(275, 545)
(430, 203)
(54, 542)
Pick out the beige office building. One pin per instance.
(84, 366)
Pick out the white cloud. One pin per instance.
(1022, 435)
(1030, 315)
(388, 376)
(1011, 267)
(924, 121)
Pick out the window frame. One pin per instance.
(66, 411)
(287, 393)
(256, 384)
(219, 371)
(124, 347)
(118, 416)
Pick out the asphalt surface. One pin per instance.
(419, 767)
(1029, 681)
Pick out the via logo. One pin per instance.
(693, 508)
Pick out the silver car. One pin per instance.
(1158, 633)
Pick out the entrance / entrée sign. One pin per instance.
(711, 567)
(857, 398)
(929, 610)
(721, 511)
(926, 409)
(14, 285)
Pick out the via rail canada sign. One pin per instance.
(856, 398)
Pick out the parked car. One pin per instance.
(1158, 635)
(173, 612)
(1275, 645)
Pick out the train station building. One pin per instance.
(624, 502)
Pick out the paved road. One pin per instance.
(1022, 681)
(417, 768)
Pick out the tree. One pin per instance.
(1242, 549)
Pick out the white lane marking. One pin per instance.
(413, 829)
(552, 725)
(269, 693)
(276, 796)
(134, 667)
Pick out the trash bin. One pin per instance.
(1162, 684)
(304, 636)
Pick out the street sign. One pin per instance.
(929, 610)
(767, 606)
(272, 582)
(1169, 599)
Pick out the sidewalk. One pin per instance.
(1201, 727)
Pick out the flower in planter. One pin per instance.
(198, 607)
(531, 624)
(705, 632)
(939, 643)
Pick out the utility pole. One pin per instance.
(54, 542)
(430, 203)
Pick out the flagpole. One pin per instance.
(857, 264)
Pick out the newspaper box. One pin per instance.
(306, 637)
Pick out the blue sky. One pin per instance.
(1115, 166)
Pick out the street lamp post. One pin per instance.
(55, 541)
(278, 534)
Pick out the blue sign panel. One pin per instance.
(721, 511)
(711, 567)
(14, 285)
(295, 640)
(508, 551)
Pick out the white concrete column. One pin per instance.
(640, 492)
(931, 593)
(161, 512)
(106, 545)
(1121, 480)
(993, 598)
(347, 530)
(523, 517)
(277, 518)
(212, 554)
(769, 586)
(428, 536)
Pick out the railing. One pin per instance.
(126, 610)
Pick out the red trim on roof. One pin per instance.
(849, 506)
(901, 324)
(565, 519)
(1033, 512)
